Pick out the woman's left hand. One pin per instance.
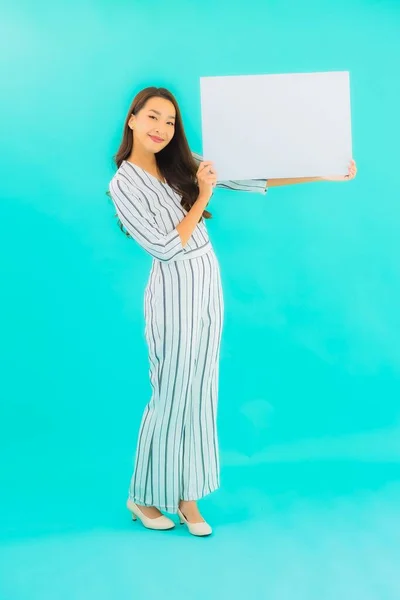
(352, 172)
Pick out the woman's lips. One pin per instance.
(156, 139)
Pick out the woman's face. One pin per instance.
(154, 125)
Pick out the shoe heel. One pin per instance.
(161, 522)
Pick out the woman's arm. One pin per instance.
(351, 173)
(276, 182)
(262, 185)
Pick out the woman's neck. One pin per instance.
(147, 163)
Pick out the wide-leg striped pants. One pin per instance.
(177, 454)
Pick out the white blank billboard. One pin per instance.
(272, 126)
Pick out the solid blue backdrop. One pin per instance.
(309, 380)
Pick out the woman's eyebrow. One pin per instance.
(158, 113)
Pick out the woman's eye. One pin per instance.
(153, 117)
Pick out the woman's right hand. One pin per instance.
(206, 180)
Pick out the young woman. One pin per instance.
(160, 191)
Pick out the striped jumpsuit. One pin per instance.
(177, 455)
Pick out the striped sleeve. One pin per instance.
(258, 186)
(141, 225)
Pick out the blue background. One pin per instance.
(309, 415)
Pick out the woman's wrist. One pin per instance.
(203, 200)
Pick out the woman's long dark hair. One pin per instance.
(175, 162)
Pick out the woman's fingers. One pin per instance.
(352, 170)
(204, 165)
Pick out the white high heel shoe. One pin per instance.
(201, 528)
(161, 522)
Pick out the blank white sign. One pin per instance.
(271, 126)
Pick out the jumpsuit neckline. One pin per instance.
(147, 172)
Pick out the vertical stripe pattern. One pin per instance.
(177, 454)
